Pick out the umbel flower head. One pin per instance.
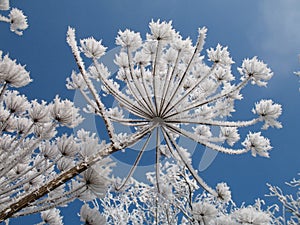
(12, 73)
(223, 191)
(16, 103)
(171, 92)
(18, 21)
(203, 211)
(129, 39)
(268, 112)
(64, 112)
(91, 216)
(16, 18)
(92, 48)
(256, 70)
(257, 144)
(251, 215)
(52, 216)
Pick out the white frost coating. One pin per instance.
(169, 90)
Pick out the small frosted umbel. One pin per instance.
(4, 4)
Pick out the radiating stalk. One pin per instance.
(195, 104)
(154, 77)
(157, 162)
(127, 103)
(135, 82)
(215, 122)
(170, 106)
(198, 48)
(172, 147)
(170, 80)
(206, 143)
(136, 162)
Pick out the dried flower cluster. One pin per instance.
(16, 18)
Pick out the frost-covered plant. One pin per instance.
(290, 202)
(168, 88)
(170, 91)
(16, 18)
(180, 202)
(33, 156)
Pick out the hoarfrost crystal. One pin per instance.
(92, 48)
(12, 73)
(166, 92)
(256, 70)
(172, 94)
(18, 21)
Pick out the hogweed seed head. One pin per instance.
(168, 89)
(18, 21)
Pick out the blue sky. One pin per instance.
(268, 29)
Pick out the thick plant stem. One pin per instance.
(67, 175)
(56, 182)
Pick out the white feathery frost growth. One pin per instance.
(13, 74)
(171, 89)
(161, 31)
(223, 191)
(172, 93)
(250, 215)
(179, 202)
(256, 70)
(16, 103)
(129, 39)
(52, 217)
(257, 144)
(91, 216)
(16, 18)
(92, 48)
(18, 21)
(204, 212)
(290, 202)
(35, 159)
(220, 55)
(65, 113)
(268, 112)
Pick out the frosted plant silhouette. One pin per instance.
(179, 202)
(169, 89)
(168, 86)
(16, 18)
(290, 202)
